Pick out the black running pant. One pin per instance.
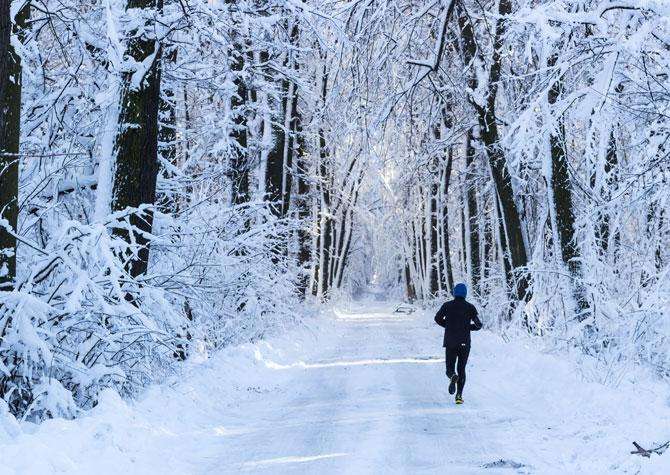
(456, 358)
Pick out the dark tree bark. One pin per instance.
(290, 153)
(410, 291)
(239, 167)
(291, 145)
(420, 235)
(471, 193)
(489, 249)
(344, 218)
(275, 166)
(611, 161)
(345, 250)
(136, 143)
(464, 251)
(278, 179)
(10, 134)
(302, 201)
(415, 271)
(433, 258)
(449, 274)
(167, 131)
(514, 245)
(324, 242)
(503, 245)
(660, 247)
(561, 190)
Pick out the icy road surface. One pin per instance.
(362, 391)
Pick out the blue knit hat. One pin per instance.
(460, 290)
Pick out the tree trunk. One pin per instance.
(325, 185)
(421, 236)
(433, 257)
(513, 242)
(167, 133)
(470, 187)
(446, 251)
(274, 170)
(561, 191)
(289, 148)
(239, 166)
(296, 148)
(325, 232)
(410, 269)
(345, 250)
(611, 161)
(302, 204)
(136, 142)
(515, 245)
(503, 245)
(463, 252)
(293, 117)
(10, 134)
(489, 249)
(410, 291)
(659, 256)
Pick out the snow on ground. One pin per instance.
(361, 390)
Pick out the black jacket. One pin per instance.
(458, 318)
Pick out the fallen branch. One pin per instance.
(647, 453)
(404, 309)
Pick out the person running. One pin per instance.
(458, 317)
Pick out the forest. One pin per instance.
(180, 176)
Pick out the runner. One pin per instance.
(458, 317)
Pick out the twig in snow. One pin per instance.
(647, 453)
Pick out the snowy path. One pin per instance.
(373, 403)
(365, 393)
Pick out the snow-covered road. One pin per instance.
(372, 401)
(362, 392)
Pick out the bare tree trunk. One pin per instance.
(489, 248)
(409, 269)
(470, 190)
(302, 205)
(274, 170)
(239, 166)
(325, 185)
(336, 227)
(167, 131)
(611, 161)
(414, 260)
(449, 274)
(291, 114)
(410, 291)
(10, 135)
(561, 190)
(345, 250)
(324, 241)
(513, 241)
(503, 246)
(346, 205)
(659, 257)
(325, 231)
(289, 149)
(421, 245)
(296, 148)
(433, 259)
(136, 143)
(515, 245)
